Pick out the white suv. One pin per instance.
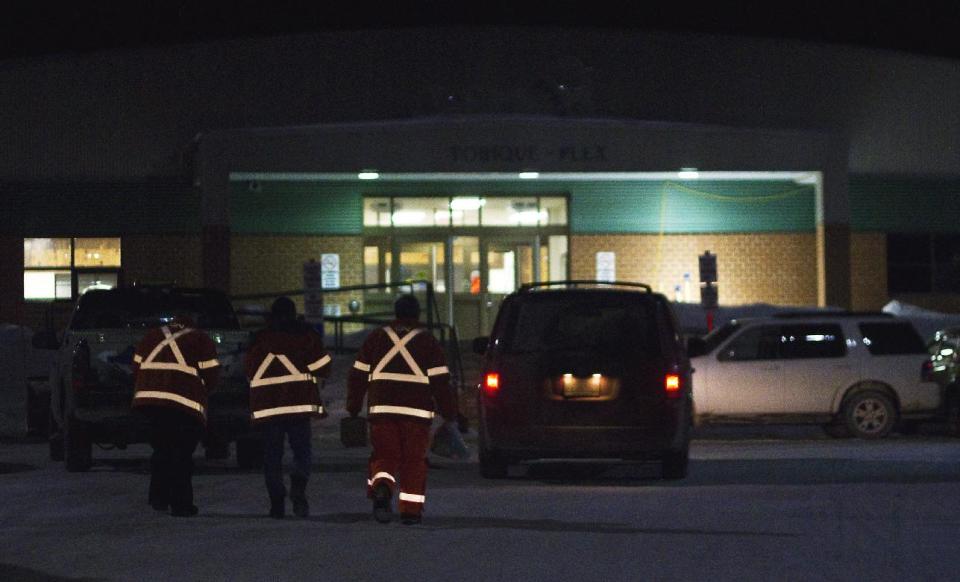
(857, 374)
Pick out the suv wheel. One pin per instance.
(77, 448)
(870, 415)
(492, 465)
(675, 463)
(55, 439)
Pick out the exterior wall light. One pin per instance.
(529, 175)
(368, 175)
(688, 174)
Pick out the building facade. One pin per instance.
(479, 160)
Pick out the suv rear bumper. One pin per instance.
(587, 441)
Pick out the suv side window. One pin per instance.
(894, 338)
(755, 343)
(812, 341)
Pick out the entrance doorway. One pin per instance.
(471, 274)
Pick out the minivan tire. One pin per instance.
(674, 464)
(77, 447)
(870, 415)
(492, 465)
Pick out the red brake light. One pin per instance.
(491, 383)
(672, 385)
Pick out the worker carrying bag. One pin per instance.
(448, 442)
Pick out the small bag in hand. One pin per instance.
(448, 442)
(353, 431)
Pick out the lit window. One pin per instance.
(61, 268)
(421, 212)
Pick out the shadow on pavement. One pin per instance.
(19, 574)
(7, 468)
(441, 522)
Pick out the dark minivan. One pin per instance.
(584, 369)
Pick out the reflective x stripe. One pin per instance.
(319, 363)
(294, 375)
(170, 396)
(361, 366)
(137, 358)
(381, 475)
(287, 410)
(412, 498)
(437, 371)
(400, 347)
(170, 341)
(208, 364)
(405, 410)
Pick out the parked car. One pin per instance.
(945, 370)
(91, 378)
(584, 369)
(857, 374)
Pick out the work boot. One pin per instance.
(410, 518)
(298, 495)
(278, 507)
(382, 498)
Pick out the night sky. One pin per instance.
(43, 27)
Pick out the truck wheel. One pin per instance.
(492, 465)
(77, 447)
(55, 439)
(249, 453)
(674, 464)
(870, 415)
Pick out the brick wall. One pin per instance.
(274, 263)
(868, 270)
(770, 268)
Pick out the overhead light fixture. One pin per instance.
(409, 217)
(368, 175)
(688, 174)
(467, 203)
(529, 175)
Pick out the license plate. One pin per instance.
(580, 387)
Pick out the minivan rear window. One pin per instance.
(888, 339)
(607, 323)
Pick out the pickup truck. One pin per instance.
(91, 378)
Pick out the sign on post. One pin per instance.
(330, 271)
(606, 266)
(708, 268)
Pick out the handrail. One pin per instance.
(575, 282)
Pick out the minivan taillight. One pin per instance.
(671, 384)
(491, 383)
(926, 371)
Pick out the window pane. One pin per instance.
(46, 252)
(909, 263)
(553, 211)
(371, 265)
(558, 258)
(47, 285)
(812, 341)
(423, 261)
(501, 270)
(466, 265)
(465, 210)
(376, 212)
(96, 252)
(511, 212)
(946, 263)
(892, 338)
(758, 343)
(88, 281)
(421, 212)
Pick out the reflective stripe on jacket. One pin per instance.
(401, 369)
(175, 366)
(283, 365)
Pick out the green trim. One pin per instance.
(637, 206)
(904, 204)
